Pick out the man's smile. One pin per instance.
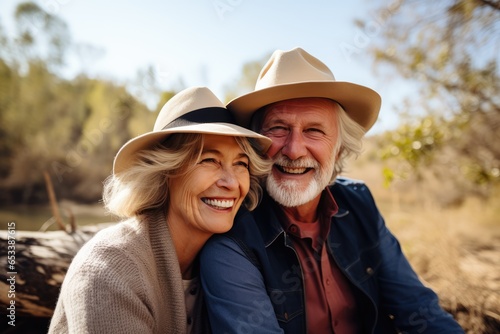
(293, 170)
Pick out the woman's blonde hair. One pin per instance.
(145, 184)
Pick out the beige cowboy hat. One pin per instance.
(297, 74)
(193, 110)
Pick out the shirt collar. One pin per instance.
(327, 208)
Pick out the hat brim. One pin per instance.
(361, 103)
(126, 155)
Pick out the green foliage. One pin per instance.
(414, 144)
(70, 128)
(451, 56)
(389, 176)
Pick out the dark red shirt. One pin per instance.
(330, 303)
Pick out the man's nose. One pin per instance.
(294, 147)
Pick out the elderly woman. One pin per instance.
(175, 186)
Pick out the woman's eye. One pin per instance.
(208, 160)
(243, 163)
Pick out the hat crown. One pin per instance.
(293, 66)
(184, 102)
(193, 110)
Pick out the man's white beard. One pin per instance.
(288, 193)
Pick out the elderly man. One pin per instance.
(316, 255)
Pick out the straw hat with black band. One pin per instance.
(193, 110)
(297, 74)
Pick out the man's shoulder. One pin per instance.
(259, 225)
(244, 222)
(346, 181)
(345, 184)
(348, 189)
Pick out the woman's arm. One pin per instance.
(236, 296)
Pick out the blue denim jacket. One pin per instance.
(253, 281)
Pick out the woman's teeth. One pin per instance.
(219, 204)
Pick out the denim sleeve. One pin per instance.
(413, 307)
(234, 288)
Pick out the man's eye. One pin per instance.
(276, 131)
(314, 132)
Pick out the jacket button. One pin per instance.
(369, 271)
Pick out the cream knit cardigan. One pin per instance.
(126, 279)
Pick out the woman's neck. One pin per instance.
(188, 244)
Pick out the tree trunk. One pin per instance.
(33, 267)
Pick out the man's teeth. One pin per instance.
(221, 204)
(293, 170)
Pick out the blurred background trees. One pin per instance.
(450, 50)
(72, 128)
(69, 128)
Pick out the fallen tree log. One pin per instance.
(35, 264)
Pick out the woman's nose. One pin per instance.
(227, 179)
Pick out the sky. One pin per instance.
(207, 42)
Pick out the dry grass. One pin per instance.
(455, 250)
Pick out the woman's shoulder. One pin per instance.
(124, 244)
(118, 235)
